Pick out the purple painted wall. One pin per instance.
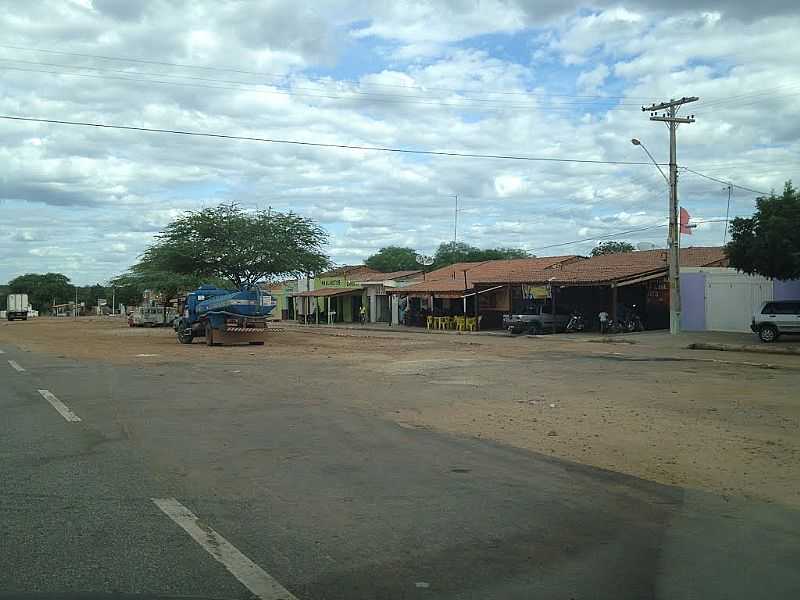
(693, 301)
(786, 290)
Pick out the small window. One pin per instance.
(769, 309)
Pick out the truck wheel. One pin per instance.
(768, 333)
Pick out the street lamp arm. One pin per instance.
(643, 147)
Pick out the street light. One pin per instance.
(636, 142)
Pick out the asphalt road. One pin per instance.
(326, 502)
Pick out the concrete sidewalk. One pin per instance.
(702, 340)
(383, 327)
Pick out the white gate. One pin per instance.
(732, 297)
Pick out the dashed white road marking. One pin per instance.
(62, 408)
(253, 577)
(16, 366)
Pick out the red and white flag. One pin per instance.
(684, 222)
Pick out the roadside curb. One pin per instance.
(420, 331)
(790, 351)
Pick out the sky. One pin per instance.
(546, 79)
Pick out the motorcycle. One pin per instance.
(632, 321)
(576, 322)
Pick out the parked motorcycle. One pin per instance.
(631, 321)
(576, 322)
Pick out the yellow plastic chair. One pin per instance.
(471, 323)
(461, 323)
(429, 321)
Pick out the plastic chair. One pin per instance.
(429, 321)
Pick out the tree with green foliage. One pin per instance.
(43, 290)
(453, 252)
(141, 277)
(128, 294)
(768, 243)
(612, 247)
(229, 245)
(393, 258)
(503, 254)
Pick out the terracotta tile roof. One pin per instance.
(324, 292)
(610, 267)
(376, 276)
(452, 271)
(499, 268)
(451, 278)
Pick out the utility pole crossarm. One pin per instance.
(670, 104)
(674, 119)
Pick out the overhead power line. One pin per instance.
(323, 144)
(283, 75)
(343, 95)
(469, 103)
(362, 147)
(619, 233)
(285, 88)
(722, 181)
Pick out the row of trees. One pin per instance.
(46, 289)
(400, 258)
(231, 247)
(225, 245)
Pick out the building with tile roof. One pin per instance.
(588, 284)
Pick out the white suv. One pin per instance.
(775, 318)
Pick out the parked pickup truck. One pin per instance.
(537, 318)
(17, 307)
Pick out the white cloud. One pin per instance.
(589, 82)
(88, 201)
(509, 185)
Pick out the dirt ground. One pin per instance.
(722, 422)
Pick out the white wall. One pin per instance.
(731, 297)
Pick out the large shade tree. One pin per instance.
(453, 252)
(43, 289)
(393, 258)
(768, 243)
(228, 244)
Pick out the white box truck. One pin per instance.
(17, 307)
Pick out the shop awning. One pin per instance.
(329, 292)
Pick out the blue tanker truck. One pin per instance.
(224, 317)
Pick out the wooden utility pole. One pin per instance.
(671, 118)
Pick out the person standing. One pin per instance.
(603, 316)
(362, 314)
